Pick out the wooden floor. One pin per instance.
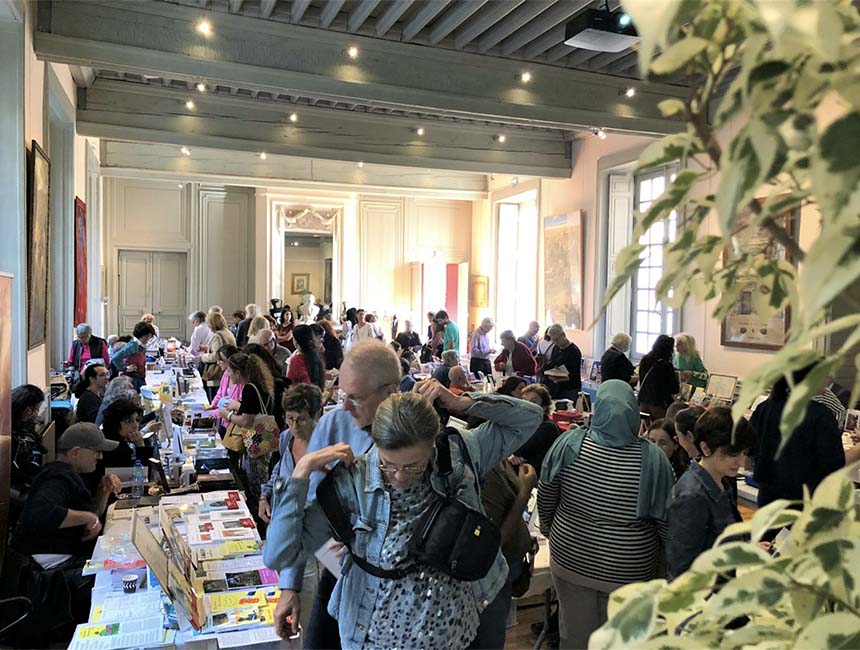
(520, 637)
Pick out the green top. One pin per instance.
(452, 337)
(693, 365)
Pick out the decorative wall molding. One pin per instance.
(306, 219)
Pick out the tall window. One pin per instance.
(650, 317)
(516, 289)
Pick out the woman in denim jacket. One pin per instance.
(703, 503)
(385, 492)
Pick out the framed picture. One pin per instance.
(595, 372)
(480, 291)
(80, 261)
(38, 224)
(564, 248)
(299, 283)
(743, 327)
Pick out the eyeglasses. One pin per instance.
(102, 374)
(407, 470)
(358, 402)
(298, 419)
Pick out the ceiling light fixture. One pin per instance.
(600, 133)
(501, 138)
(180, 186)
(294, 117)
(263, 155)
(630, 92)
(204, 27)
(185, 151)
(515, 181)
(526, 76)
(420, 131)
(201, 87)
(189, 104)
(352, 52)
(361, 163)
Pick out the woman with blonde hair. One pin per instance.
(258, 324)
(387, 491)
(688, 362)
(221, 336)
(155, 343)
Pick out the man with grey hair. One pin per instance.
(530, 338)
(201, 334)
(85, 348)
(369, 374)
(251, 310)
(480, 350)
(615, 364)
(269, 340)
(450, 359)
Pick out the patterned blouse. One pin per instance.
(426, 609)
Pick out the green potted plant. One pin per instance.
(771, 124)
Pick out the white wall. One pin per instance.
(33, 90)
(212, 225)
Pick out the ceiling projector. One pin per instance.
(601, 30)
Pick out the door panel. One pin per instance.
(169, 303)
(135, 288)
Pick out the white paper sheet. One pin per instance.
(328, 558)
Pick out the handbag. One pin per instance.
(259, 439)
(450, 536)
(212, 373)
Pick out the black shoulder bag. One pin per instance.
(450, 536)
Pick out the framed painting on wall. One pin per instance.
(743, 327)
(564, 247)
(80, 261)
(38, 263)
(300, 283)
(480, 291)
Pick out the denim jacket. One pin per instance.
(698, 513)
(299, 531)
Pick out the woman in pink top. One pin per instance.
(226, 388)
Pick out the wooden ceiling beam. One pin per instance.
(121, 110)
(159, 39)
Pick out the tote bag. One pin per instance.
(257, 440)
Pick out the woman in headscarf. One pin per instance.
(602, 499)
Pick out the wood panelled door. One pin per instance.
(152, 282)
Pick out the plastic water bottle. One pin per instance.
(137, 480)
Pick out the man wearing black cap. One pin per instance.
(60, 520)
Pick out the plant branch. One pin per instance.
(824, 594)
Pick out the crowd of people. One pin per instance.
(622, 498)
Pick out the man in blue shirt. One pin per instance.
(369, 374)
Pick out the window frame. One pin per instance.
(665, 312)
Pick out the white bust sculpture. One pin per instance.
(308, 309)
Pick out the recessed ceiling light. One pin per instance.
(189, 104)
(361, 163)
(295, 243)
(294, 117)
(352, 52)
(515, 181)
(263, 155)
(600, 133)
(526, 76)
(201, 87)
(180, 186)
(185, 150)
(630, 92)
(420, 131)
(204, 27)
(501, 138)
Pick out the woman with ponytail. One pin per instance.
(306, 366)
